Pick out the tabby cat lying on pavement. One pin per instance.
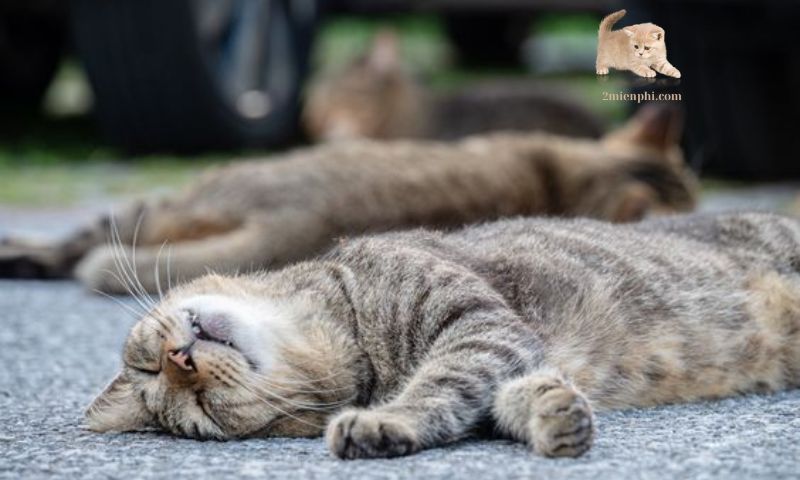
(405, 341)
(376, 97)
(252, 215)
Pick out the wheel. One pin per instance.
(487, 38)
(31, 45)
(190, 75)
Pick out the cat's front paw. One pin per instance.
(562, 424)
(602, 71)
(371, 434)
(645, 72)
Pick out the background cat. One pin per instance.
(375, 96)
(412, 340)
(639, 48)
(258, 214)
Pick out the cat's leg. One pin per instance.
(257, 243)
(23, 258)
(643, 71)
(446, 398)
(546, 412)
(667, 69)
(601, 65)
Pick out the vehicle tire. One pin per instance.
(487, 38)
(192, 75)
(31, 47)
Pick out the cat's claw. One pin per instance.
(563, 425)
(371, 434)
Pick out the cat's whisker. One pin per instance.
(128, 309)
(169, 268)
(129, 270)
(132, 263)
(284, 384)
(120, 260)
(126, 284)
(156, 272)
(321, 406)
(260, 397)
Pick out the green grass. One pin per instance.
(65, 183)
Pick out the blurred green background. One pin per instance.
(61, 159)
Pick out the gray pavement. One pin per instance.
(60, 344)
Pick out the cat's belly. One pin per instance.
(692, 360)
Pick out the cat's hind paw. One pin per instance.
(21, 262)
(371, 434)
(562, 424)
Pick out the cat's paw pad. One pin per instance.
(562, 425)
(371, 434)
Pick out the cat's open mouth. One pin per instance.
(214, 331)
(202, 334)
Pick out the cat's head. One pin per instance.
(646, 41)
(649, 174)
(222, 357)
(372, 97)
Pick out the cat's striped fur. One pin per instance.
(522, 326)
(252, 215)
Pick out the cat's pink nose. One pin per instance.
(181, 358)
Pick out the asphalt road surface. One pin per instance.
(59, 345)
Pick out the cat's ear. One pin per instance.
(384, 55)
(118, 408)
(654, 125)
(629, 32)
(658, 34)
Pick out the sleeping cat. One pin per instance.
(639, 48)
(376, 97)
(258, 214)
(396, 343)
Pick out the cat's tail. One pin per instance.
(608, 22)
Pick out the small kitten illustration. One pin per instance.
(376, 96)
(264, 214)
(400, 342)
(639, 48)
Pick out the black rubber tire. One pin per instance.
(154, 86)
(487, 38)
(31, 47)
(740, 96)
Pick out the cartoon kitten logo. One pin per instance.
(638, 48)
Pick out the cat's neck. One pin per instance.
(325, 353)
